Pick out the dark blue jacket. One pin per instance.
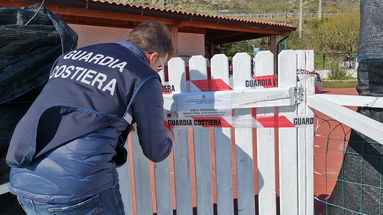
(68, 144)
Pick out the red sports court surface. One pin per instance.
(330, 142)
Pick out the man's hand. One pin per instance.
(134, 127)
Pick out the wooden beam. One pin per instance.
(192, 30)
(232, 28)
(100, 22)
(274, 49)
(211, 50)
(273, 44)
(235, 38)
(174, 32)
(80, 12)
(217, 35)
(4, 3)
(65, 11)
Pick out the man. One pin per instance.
(65, 150)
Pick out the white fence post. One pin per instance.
(177, 78)
(306, 136)
(223, 154)
(201, 137)
(301, 64)
(310, 90)
(162, 180)
(264, 66)
(163, 187)
(141, 178)
(306, 148)
(310, 63)
(243, 140)
(125, 185)
(288, 144)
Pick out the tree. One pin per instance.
(230, 49)
(338, 34)
(301, 5)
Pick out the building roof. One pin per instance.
(183, 13)
(217, 29)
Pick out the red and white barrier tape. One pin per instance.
(239, 122)
(211, 111)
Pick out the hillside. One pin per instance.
(332, 38)
(292, 6)
(250, 6)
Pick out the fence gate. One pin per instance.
(243, 137)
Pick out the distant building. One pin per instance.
(98, 21)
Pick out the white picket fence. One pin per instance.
(217, 165)
(251, 105)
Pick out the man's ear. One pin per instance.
(152, 58)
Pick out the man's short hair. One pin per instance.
(151, 36)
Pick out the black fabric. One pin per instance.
(360, 182)
(359, 189)
(27, 53)
(10, 113)
(10, 205)
(371, 30)
(370, 77)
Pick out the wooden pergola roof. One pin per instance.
(217, 30)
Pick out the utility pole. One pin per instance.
(320, 10)
(300, 18)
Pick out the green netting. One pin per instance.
(358, 188)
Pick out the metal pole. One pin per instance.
(320, 10)
(300, 18)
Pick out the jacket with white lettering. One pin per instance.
(67, 146)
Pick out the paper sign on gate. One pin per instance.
(212, 104)
(214, 109)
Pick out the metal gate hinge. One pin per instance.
(299, 94)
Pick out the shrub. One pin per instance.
(337, 73)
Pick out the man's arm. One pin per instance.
(148, 114)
